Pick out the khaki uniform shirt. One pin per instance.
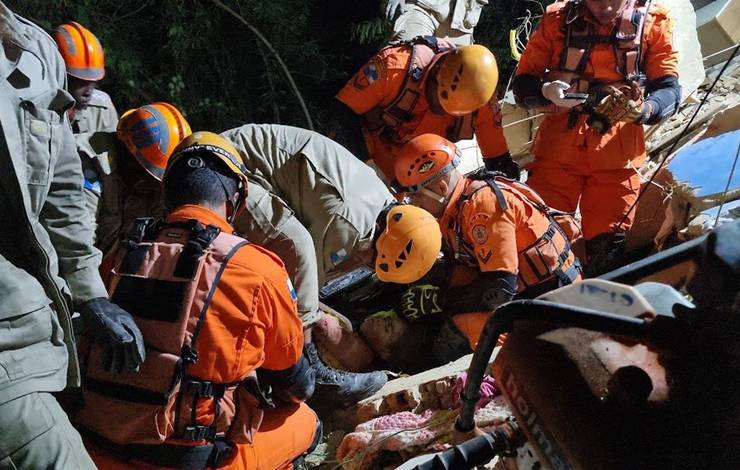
(46, 253)
(452, 19)
(95, 130)
(306, 176)
(122, 203)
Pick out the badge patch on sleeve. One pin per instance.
(480, 234)
(337, 257)
(371, 72)
(293, 295)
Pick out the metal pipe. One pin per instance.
(477, 451)
(502, 320)
(633, 272)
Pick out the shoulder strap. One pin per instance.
(143, 230)
(626, 39)
(200, 238)
(189, 351)
(489, 178)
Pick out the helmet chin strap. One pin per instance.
(439, 198)
(232, 201)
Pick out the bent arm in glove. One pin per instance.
(117, 331)
(504, 164)
(292, 385)
(627, 105)
(484, 294)
(663, 99)
(528, 91)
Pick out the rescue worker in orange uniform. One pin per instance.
(219, 319)
(145, 138)
(588, 65)
(425, 86)
(498, 227)
(93, 116)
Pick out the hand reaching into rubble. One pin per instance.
(420, 300)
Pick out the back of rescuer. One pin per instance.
(217, 309)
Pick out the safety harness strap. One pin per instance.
(135, 251)
(625, 38)
(388, 119)
(189, 352)
(200, 239)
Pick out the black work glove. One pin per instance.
(420, 300)
(117, 331)
(505, 165)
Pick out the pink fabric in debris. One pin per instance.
(394, 432)
(406, 431)
(488, 390)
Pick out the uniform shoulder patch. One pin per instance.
(479, 234)
(371, 72)
(293, 295)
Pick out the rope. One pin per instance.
(719, 52)
(523, 120)
(267, 43)
(727, 186)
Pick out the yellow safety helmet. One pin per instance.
(409, 245)
(205, 143)
(466, 79)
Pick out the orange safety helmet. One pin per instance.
(81, 50)
(423, 159)
(151, 133)
(466, 79)
(409, 245)
(214, 146)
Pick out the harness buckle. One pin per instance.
(189, 354)
(199, 433)
(199, 388)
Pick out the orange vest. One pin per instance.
(387, 121)
(549, 256)
(167, 278)
(580, 37)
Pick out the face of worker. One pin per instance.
(136, 178)
(432, 198)
(383, 332)
(605, 11)
(81, 91)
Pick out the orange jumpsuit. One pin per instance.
(379, 82)
(252, 322)
(483, 235)
(579, 164)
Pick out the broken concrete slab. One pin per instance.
(416, 392)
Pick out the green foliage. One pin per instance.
(195, 55)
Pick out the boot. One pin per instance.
(605, 253)
(349, 387)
